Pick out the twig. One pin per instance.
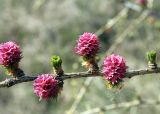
(127, 31)
(13, 81)
(112, 22)
(38, 4)
(133, 103)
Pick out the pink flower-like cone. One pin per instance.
(142, 2)
(87, 45)
(10, 54)
(46, 86)
(114, 68)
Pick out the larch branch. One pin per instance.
(13, 81)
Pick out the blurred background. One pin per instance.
(47, 27)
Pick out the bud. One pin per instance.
(151, 58)
(56, 62)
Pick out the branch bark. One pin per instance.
(13, 81)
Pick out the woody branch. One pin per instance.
(13, 81)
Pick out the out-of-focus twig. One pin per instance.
(133, 103)
(112, 21)
(132, 27)
(38, 3)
